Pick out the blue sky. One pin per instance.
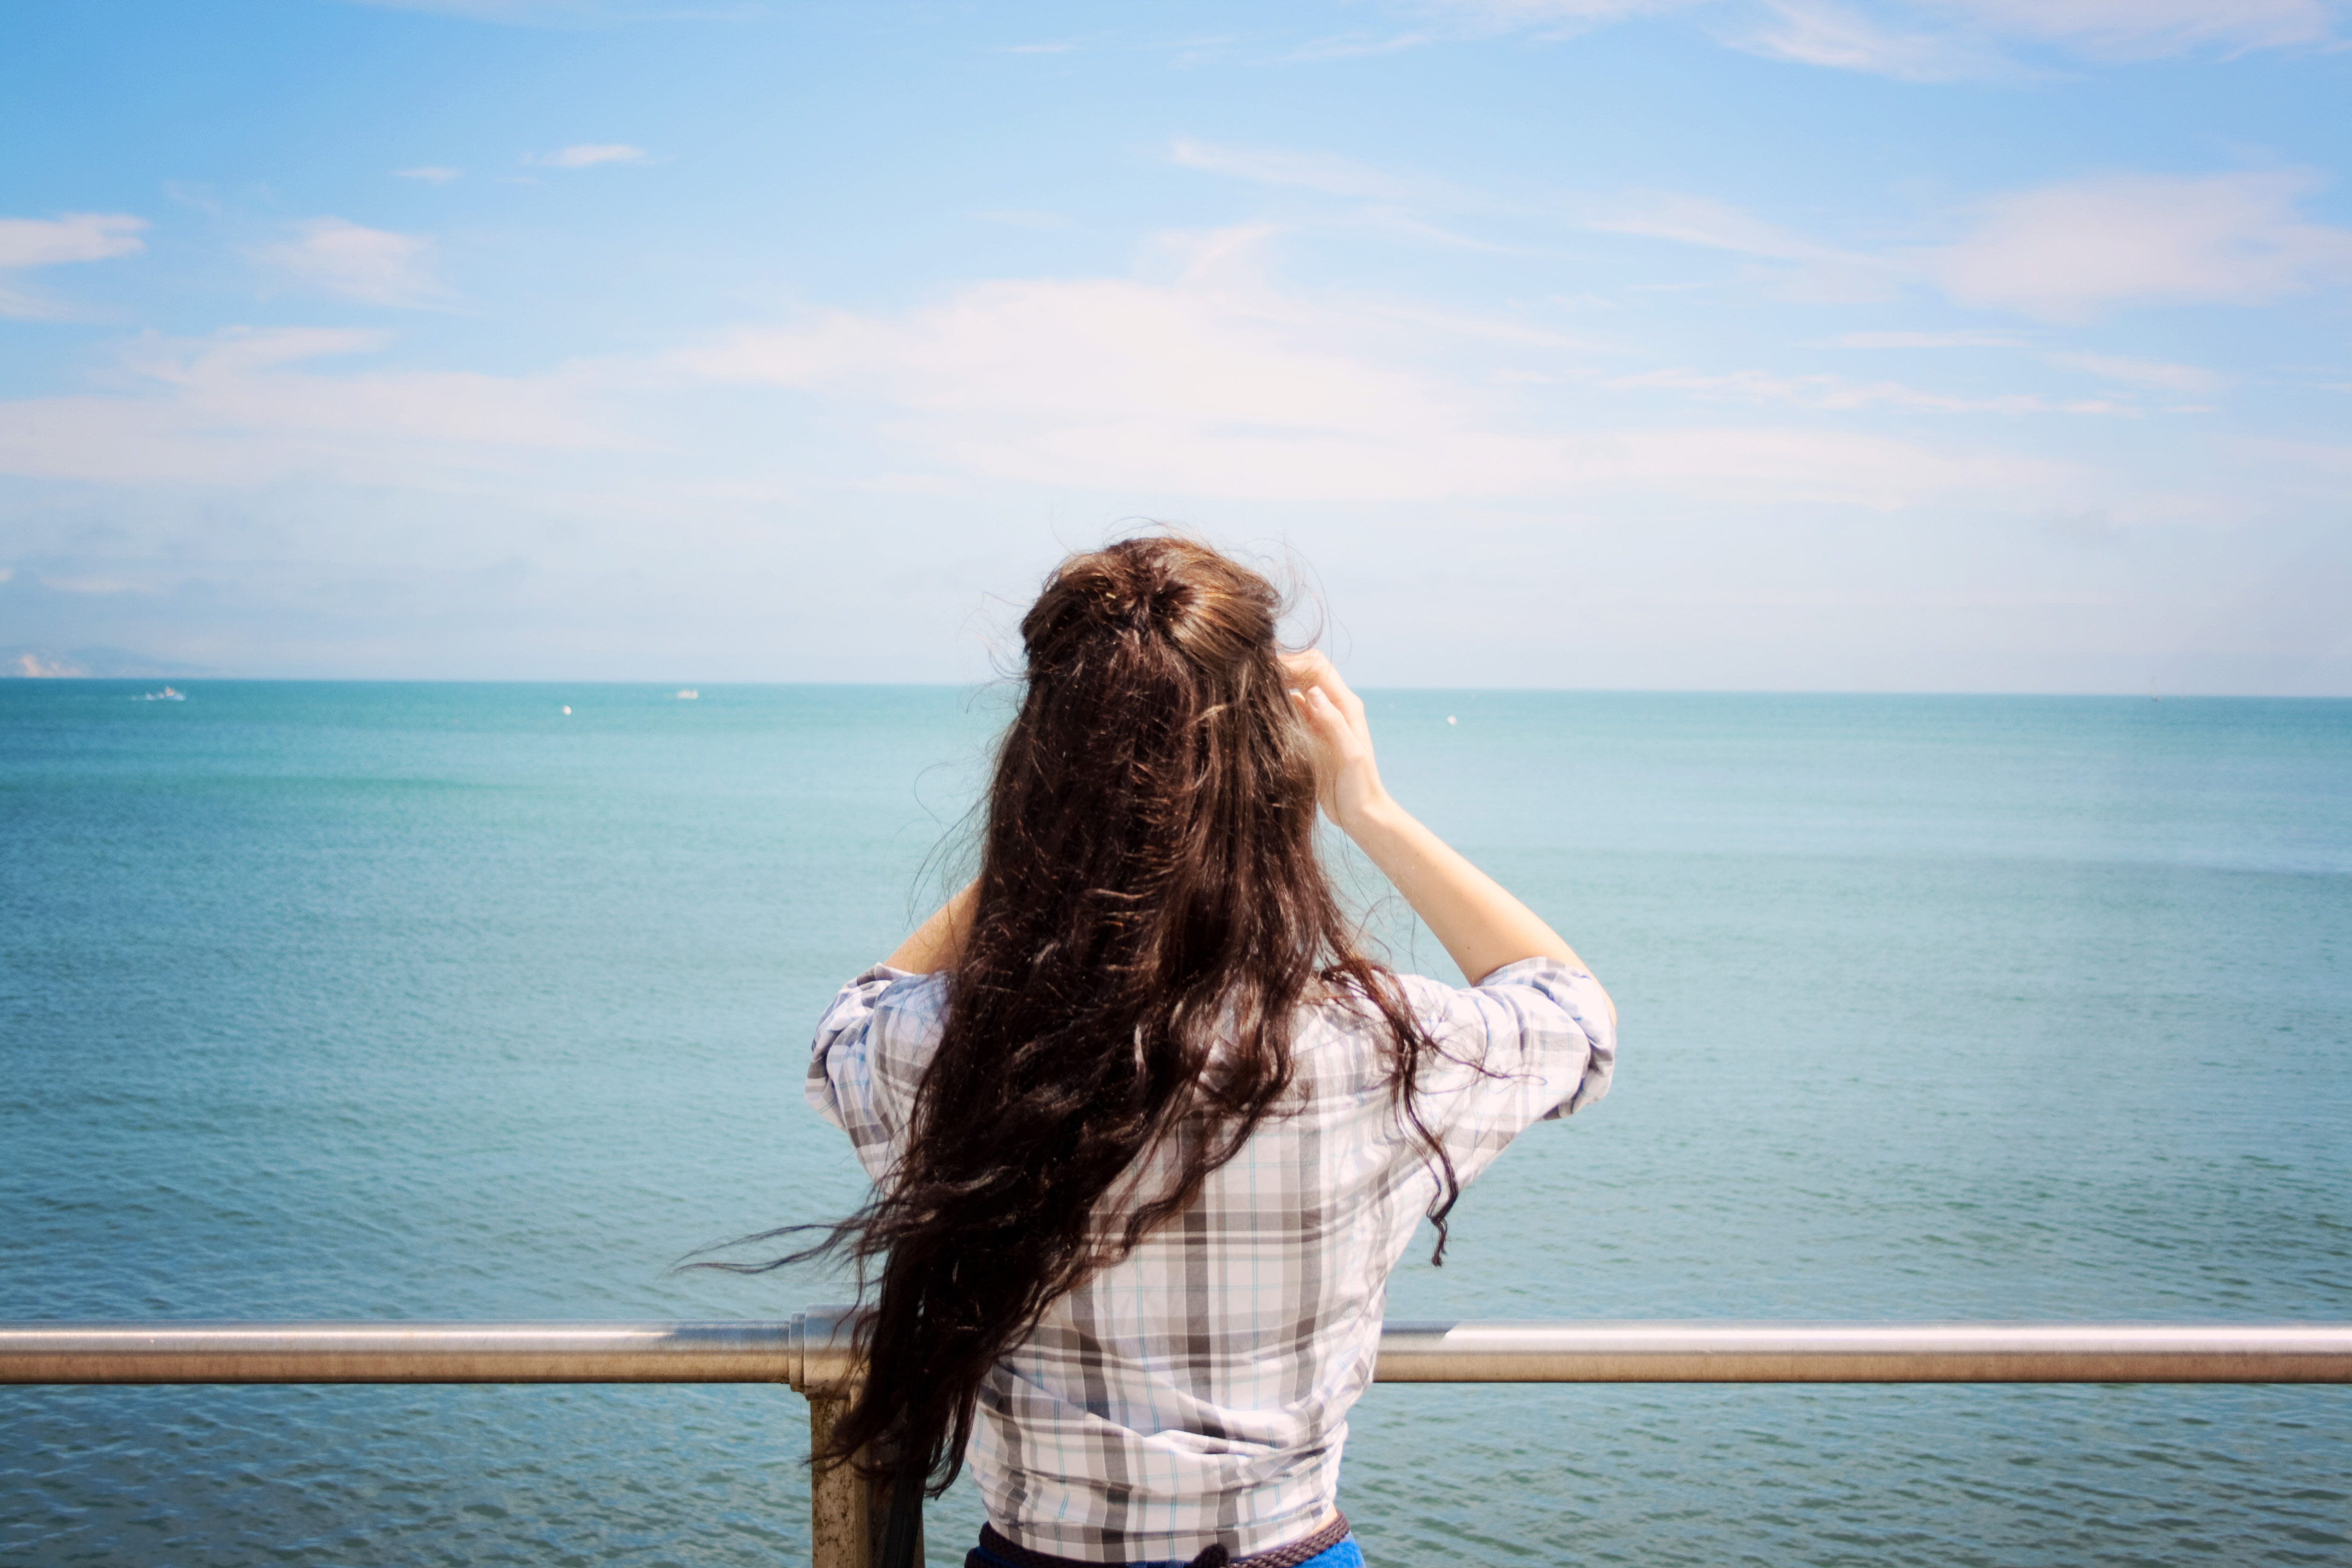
(1917, 344)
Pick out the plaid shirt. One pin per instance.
(1199, 1389)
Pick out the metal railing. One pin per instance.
(812, 1353)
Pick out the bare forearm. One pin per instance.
(938, 942)
(1481, 924)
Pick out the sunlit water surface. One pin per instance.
(380, 1001)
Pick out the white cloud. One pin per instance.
(589, 154)
(244, 406)
(1307, 171)
(2070, 250)
(1218, 384)
(1204, 379)
(372, 265)
(76, 236)
(431, 174)
(28, 242)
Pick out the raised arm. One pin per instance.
(1481, 924)
(938, 942)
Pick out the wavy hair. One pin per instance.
(1152, 912)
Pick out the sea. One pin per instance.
(452, 1001)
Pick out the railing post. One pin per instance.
(849, 1515)
(841, 1500)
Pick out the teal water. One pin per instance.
(385, 1001)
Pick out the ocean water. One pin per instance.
(432, 1001)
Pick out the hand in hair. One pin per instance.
(1347, 779)
(1481, 924)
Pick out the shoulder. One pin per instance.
(1541, 986)
(893, 997)
(885, 1020)
(1538, 1017)
(872, 1044)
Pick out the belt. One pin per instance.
(997, 1549)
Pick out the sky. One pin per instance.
(1929, 345)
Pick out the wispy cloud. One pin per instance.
(2141, 29)
(1713, 225)
(2154, 375)
(375, 265)
(1816, 33)
(509, 11)
(1837, 395)
(1018, 217)
(1964, 340)
(94, 585)
(571, 13)
(1361, 46)
(1387, 198)
(30, 242)
(431, 174)
(1306, 171)
(249, 405)
(2070, 250)
(2061, 252)
(589, 154)
(1928, 40)
(2313, 467)
(1548, 15)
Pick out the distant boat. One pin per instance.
(166, 695)
(687, 694)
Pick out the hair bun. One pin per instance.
(1134, 607)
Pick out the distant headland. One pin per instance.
(31, 663)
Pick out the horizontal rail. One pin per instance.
(811, 1352)
(423, 1353)
(1864, 1352)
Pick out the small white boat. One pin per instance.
(166, 695)
(687, 694)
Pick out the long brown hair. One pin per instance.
(1152, 912)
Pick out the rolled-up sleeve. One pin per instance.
(871, 1049)
(1530, 1042)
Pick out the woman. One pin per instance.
(1147, 1133)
